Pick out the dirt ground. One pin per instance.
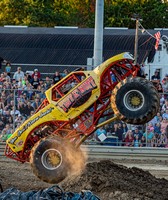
(104, 178)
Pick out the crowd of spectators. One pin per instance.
(20, 95)
(152, 134)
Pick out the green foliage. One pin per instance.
(49, 13)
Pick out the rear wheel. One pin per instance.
(135, 100)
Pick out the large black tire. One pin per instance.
(48, 160)
(135, 100)
(66, 159)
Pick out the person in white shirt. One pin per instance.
(18, 75)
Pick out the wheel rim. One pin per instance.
(51, 159)
(133, 100)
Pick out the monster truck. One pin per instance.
(74, 108)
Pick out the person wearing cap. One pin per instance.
(155, 78)
(37, 73)
(136, 132)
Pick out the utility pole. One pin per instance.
(98, 34)
(137, 19)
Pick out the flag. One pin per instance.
(157, 37)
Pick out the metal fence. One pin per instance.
(14, 106)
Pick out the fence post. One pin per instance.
(14, 96)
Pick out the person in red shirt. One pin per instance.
(36, 72)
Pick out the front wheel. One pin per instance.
(53, 159)
(135, 100)
(48, 161)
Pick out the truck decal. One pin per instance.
(86, 87)
(31, 122)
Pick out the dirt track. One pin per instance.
(104, 178)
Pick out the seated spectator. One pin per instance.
(14, 111)
(165, 114)
(157, 128)
(29, 109)
(36, 103)
(47, 83)
(165, 105)
(18, 74)
(37, 73)
(163, 124)
(164, 84)
(22, 108)
(2, 125)
(154, 141)
(156, 119)
(162, 142)
(160, 88)
(41, 93)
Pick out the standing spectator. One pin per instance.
(37, 73)
(2, 78)
(137, 141)
(35, 82)
(56, 77)
(154, 141)
(136, 132)
(119, 133)
(149, 135)
(100, 131)
(162, 142)
(129, 138)
(142, 141)
(18, 74)
(155, 78)
(2, 60)
(29, 78)
(8, 68)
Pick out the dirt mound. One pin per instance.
(111, 181)
(107, 180)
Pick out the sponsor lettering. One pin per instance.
(31, 122)
(87, 86)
